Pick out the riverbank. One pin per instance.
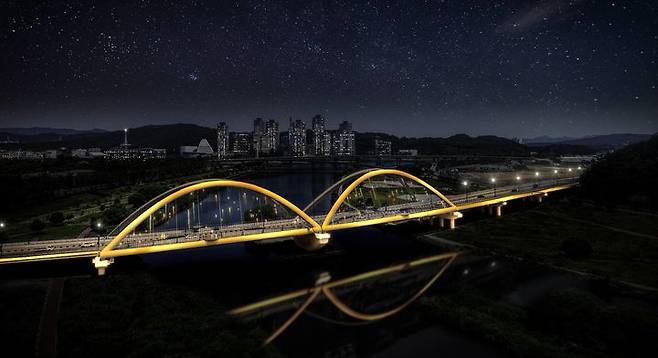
(547, 303)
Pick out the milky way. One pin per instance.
(410, 68)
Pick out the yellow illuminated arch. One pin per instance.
(109, 251)
(327, 225)
(336, 185)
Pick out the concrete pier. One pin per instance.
(101, 264)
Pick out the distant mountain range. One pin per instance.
(172, 136)
(456, 144)
(546, 139)
(46, 130)
(597, 141)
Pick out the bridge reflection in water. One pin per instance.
(354, 300)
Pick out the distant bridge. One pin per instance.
(217, 211)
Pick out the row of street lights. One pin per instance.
(518, 178)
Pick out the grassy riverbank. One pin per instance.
(624, 244)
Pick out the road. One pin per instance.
(89, 246)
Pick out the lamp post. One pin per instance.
(555, 173)
(465, 185)
(493, 182)
(536, 178)
(518, 182)
(2, 227)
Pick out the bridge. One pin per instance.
(219, 211)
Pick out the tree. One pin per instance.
(136, 199)
(145, 193)
(37, 225)
(114, 215)
(628, 176)
(56, 218)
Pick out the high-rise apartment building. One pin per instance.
(382, 147)
(270, 139)
(321, 144)
(241, 143)
(297, 138)
(343, 140)
(257, 135)
(222, 140)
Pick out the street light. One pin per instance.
(555, 175)
(2, 225)
(580, 168)
(465, 184)
(99, 225)
(493, 181)
(536, 179)
(518, 181)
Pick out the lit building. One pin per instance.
(257, 135)
(382, 147)
(202, 150)
(126, 152)
(321, 145)
(265, 136)
(21, 155)
(241, 143)
(343, 140)
(88, 153)
(297, 138)
(270, 139)
(408, 152)
(222, 140)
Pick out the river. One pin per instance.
(246, 274)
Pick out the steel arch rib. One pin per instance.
(107, 250)
(326, 224)
(335, 185)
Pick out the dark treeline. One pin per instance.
(558, 150)
(628, 176)
(454, 145)
(29, 182)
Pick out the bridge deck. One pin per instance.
(199, 237)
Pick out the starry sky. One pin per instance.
(414, 68)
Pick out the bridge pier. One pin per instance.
(323, 237)
(313, 242)
(451, 218)
(101, 264)
(497, 209)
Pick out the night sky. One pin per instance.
(433, 68)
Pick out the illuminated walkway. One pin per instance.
(217, 212)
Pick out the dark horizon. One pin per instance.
(285, 129)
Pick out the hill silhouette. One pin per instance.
(628, 176)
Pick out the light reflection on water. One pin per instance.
(361, 298)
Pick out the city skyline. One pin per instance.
(512, 68)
